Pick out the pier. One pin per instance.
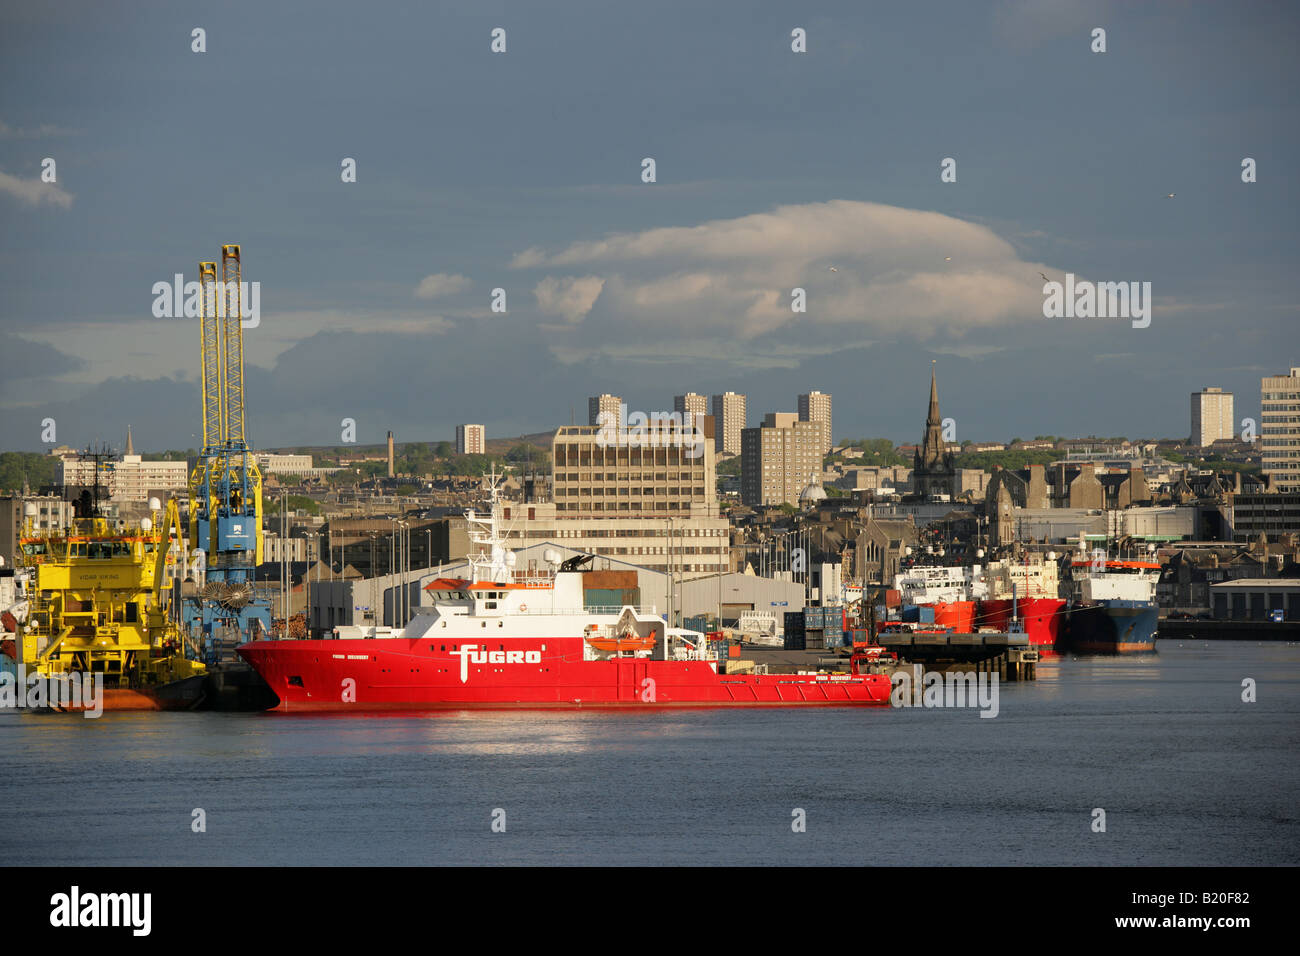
(1010, 655)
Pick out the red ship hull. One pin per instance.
(1042, 618)
(415, 674)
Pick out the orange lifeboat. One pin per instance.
(628, 641)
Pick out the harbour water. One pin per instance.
(1186, 772)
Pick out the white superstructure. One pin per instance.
(1115, 581)
(1033, 579)
(936, 584)
(498, 604)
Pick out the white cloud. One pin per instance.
(528, 259)
(34, 192)
(569, 297)
(907, 272)
(441, 283)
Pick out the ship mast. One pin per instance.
(491, 562)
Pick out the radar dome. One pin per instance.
(813, 491)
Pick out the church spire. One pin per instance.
(932, 419)
(130, 448)
(931, 452)
(932, 466)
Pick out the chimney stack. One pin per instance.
(390, 454)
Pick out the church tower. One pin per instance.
(932, 468)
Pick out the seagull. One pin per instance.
(1045, 279)
(1171, 195)
(833, 269)
(947, 258)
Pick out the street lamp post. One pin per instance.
(392, 559)
(311, 547)
(404, 556)
(374, 620)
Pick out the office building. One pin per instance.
(662, 469)
(126, 478)
(1279, 430)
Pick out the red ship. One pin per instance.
(948, 590)
(1041, 619)
(498, 638)
(1030, 591)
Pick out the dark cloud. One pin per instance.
(24, 360)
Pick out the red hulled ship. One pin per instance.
(501, 638)
(1030, 592)
(949, 590)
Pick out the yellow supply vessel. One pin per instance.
(98, 606)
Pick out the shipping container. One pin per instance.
(699, 622)
(918, 614)
(794, 641)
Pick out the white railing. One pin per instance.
(598, 609)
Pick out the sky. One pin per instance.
(522, 170)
